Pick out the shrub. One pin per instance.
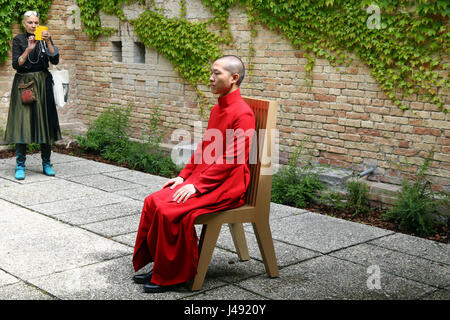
(357, 197)
(333, 199)
(417, 206)
(33, 147)
(296, 186)
(108, 137)
(139, 157)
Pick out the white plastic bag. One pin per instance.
(60, 86)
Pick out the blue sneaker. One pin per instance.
(47, 168)
(45, 155)
(20, 173)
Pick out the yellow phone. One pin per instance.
(38, 32)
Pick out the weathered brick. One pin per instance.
(333, 142)
(350, 122)
(334, 127)
(351, 137)
(323, 97)
(429, 131)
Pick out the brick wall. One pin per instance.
(345, 117)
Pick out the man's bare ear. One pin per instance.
(236, 78)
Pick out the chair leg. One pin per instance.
(210, 233)
(240, 243)
(265, 243)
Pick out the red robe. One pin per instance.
(166, 233)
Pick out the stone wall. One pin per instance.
(344, 116)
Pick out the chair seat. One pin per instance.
(244, 213)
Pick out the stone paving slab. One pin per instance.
(140, 193)
(82, 168)
(27, 256)
(85, 202)
(424, 248)
(115, 227)
(4, 183)
(280, 211)
(227, 267)
(398, 263)
(128, 239)
(322, 233)
(6, 279)
(137, 177)
(51, 190)
(440, 294)
(286, 254)
(101, 213)
(34, 245)
(23, 291)
(17, 221)
(103, 182)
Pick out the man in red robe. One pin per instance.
(216, 178)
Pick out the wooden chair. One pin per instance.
(256, 209)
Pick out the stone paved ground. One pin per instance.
(72, 236)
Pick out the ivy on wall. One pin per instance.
(403, 42)
(190, 47)
(403, 47)
(13, 10)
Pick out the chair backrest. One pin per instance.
(265, 121)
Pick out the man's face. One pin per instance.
(221, 80)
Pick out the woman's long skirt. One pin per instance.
(36, 122)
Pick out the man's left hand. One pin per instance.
(184, 193)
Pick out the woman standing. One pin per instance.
(36, 121)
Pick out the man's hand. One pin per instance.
(184, 193)
(174, 182)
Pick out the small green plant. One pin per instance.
(154, 134)
(108, 137)
(357, 197)
(154, 162)
(333, 199)
(296, 186)
(418, 207)
(33, 147)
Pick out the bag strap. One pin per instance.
(26, 85)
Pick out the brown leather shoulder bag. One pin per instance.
(27, 92)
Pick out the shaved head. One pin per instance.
(233, 64)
